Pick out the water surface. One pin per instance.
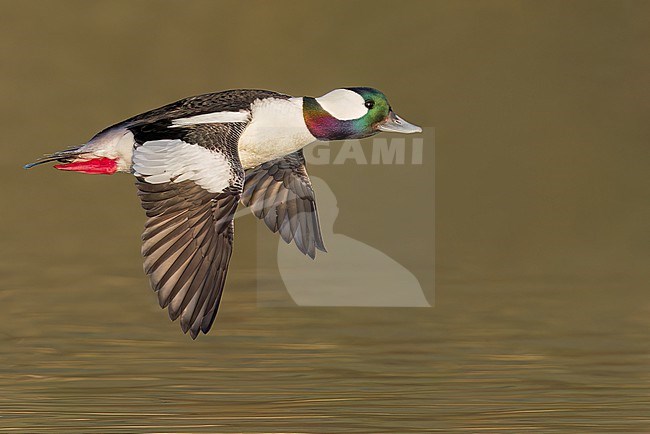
(541, 319)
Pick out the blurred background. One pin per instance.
(541, 318)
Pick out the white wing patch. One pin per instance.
(343, 104)
(160, 161)
(212, 118)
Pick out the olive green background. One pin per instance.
(540, 111)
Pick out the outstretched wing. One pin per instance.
(190, 187)
(280, 193)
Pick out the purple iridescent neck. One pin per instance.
(324, 126)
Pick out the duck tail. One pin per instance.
(64, 156)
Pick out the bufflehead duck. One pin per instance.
(194, 160)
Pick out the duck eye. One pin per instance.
(369, 104)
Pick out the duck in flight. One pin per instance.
(195, 159)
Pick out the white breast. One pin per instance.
(277, 129)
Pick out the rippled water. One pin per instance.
(541, 320)
(95, 354)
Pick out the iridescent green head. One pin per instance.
(352, 113)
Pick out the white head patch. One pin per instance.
(343, 104)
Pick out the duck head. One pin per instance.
(352, 113)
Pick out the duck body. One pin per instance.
(272, 126)
(196, 159)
